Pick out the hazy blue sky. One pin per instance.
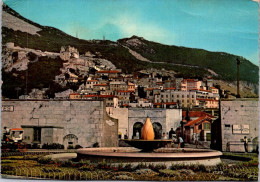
(215, 25)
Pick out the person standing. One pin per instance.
(137, 135)
(125, 136)
(171, 133)
(180, 140)
(246, 144)
(164, 137)
(5, 133)
(196, 138)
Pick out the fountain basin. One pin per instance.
(148, 145)
(167, 156)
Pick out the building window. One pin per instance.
(192, 96)
(227, 126)
(206, 126)
(177, 96)
(182, 96)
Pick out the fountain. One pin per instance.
(150, 150)
(147, 143)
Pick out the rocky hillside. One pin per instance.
(221, 65)
(130, 55)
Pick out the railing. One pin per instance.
(251, 145)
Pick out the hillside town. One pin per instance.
(150, 88)
(188, 106)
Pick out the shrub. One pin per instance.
(84, 162)
(7, 168)
(78, 147)
(87, 168)
(157, 167)
(177, 166)
(6, 161)
(168, 173)
(44, 160)
(48, 170)
(68, 163)
(70, 147)
(128, 167)
(30, 157)
(120, 166)
(103, 165)
(141, 166)
(52, 146)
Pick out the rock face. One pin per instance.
(68, 52)
(147, 131)
(246, 89)
(14, 23)
(14, 57)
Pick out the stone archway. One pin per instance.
(157, 127)
(70, 141)
(137, 127)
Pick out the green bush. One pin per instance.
(87, 168)
(141, 166)
(6, 161)
(44, 160)
(30, 157)
(168, 173)
(7, 168)
(157, 167)
(128, 167)
(52, 146)
(84, 162)
(49, 170)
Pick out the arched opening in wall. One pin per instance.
(70, 141)
(157, 127)
(137, 129)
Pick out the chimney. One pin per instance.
(238, 63)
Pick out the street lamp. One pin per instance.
(182, 132)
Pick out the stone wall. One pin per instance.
(84, 119)
(236, 115)
(127, 117)
(122, 115)
(109, 130)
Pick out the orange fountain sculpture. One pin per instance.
(147, 142)
(147, 131)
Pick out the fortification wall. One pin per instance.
(84, 119)
(239, 118)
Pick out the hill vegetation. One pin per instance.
(223, 64)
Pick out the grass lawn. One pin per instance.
(41, 167)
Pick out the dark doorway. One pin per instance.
(137, 128)
(37, 135)
(157, 127)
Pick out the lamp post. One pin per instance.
(182, 123)
(238, 63)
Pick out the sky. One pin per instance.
(216, 25)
